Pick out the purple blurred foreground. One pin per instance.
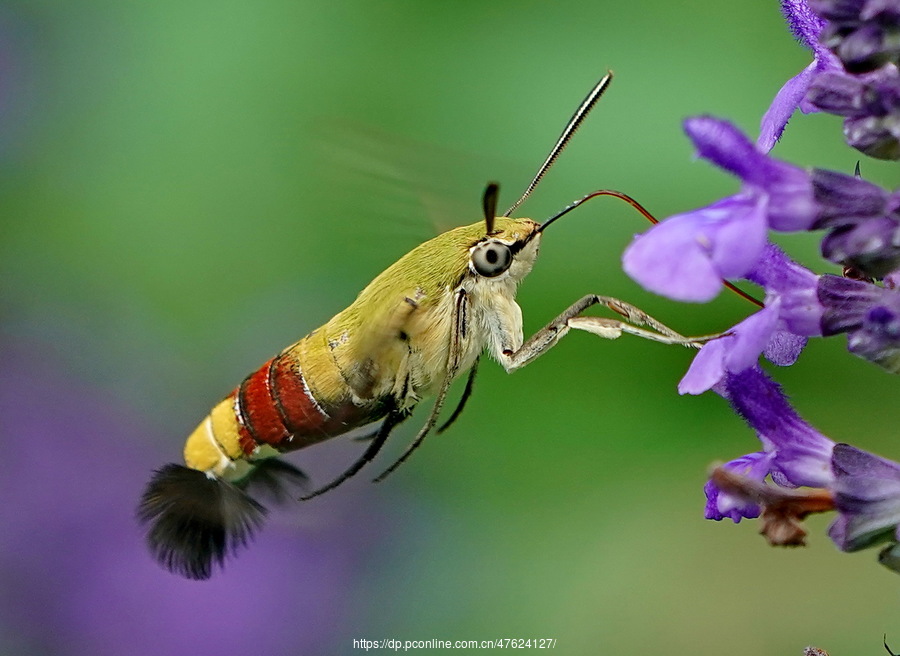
(75, 576)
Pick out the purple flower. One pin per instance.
(686, 256)
(792, 313)
(867, 496)
(720, 505)
(864, 34)
(802, 454)
(864, 223)
(737, 351)
(806, 26)
(864, 490)
(793, 287)
(871, 105)
(856, 48)
(868, 313)
(794, 453)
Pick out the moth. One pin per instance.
(419, 325)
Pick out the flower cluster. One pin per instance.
(857, 52)
(856, 46)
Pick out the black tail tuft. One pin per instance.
(196, 520)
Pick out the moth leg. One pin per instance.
(549, 335)
(613, 329)
(453, 354)
(394, 417)
(460, 406)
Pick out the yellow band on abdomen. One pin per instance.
(214, 444)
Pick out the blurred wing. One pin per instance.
(422, 189)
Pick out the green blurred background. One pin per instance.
(188, 187)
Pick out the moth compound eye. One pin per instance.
(491, 258)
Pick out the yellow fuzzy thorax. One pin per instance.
(411, 297)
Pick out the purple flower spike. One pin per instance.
(867, 495)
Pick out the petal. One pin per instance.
(782, 108)
(686, 256)
(707, 368)
(795, 288)
(790, 205)
(752, 335)
(733, 353)
(724, 145)
(739, 240)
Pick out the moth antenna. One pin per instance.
(574, 123)
(489, 205)
(196, 520)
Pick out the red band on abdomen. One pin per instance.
(257, 410)
(275, 406)
(245, 437)
(294, 401)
